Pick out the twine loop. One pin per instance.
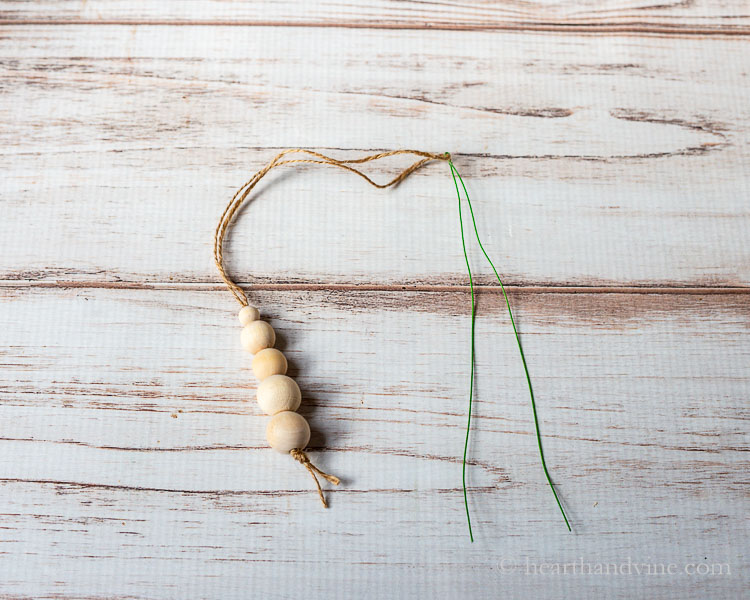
(302, 458)
(317, 159)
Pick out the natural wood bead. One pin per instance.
(269, 362)
(278, 393)
(257, 335)
(286, 431)
(248, 314)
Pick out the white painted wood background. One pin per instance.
(606, 147)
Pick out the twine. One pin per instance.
(241, 195)
(302, 458)
(320, 159)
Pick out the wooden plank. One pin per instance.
(591, 161)
(704, 16)
(133, 465)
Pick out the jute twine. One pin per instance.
(302, 458)
(242, 194)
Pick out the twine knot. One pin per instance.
(301, 457)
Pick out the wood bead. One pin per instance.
(269, 362)
(248, 314)
(286, 431)
(278, 393)
(257, 335)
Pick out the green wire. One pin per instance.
(455, 173)
(471, 382)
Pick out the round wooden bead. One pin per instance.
(248, 314)
(278, 393)
(257, 335)
(286, 431)
(269, 362)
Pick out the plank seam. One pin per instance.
(370, 287)
(542, 27)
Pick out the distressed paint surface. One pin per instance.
(691, 16)
(592, 160)
(610, 177)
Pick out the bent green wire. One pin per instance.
(455, 173)
(471, 381)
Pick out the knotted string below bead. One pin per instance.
(302, 458)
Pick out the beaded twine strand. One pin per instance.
(278, 395)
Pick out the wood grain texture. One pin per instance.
(610, 177)
(136, 456)
(695, 16)
(592, 161)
